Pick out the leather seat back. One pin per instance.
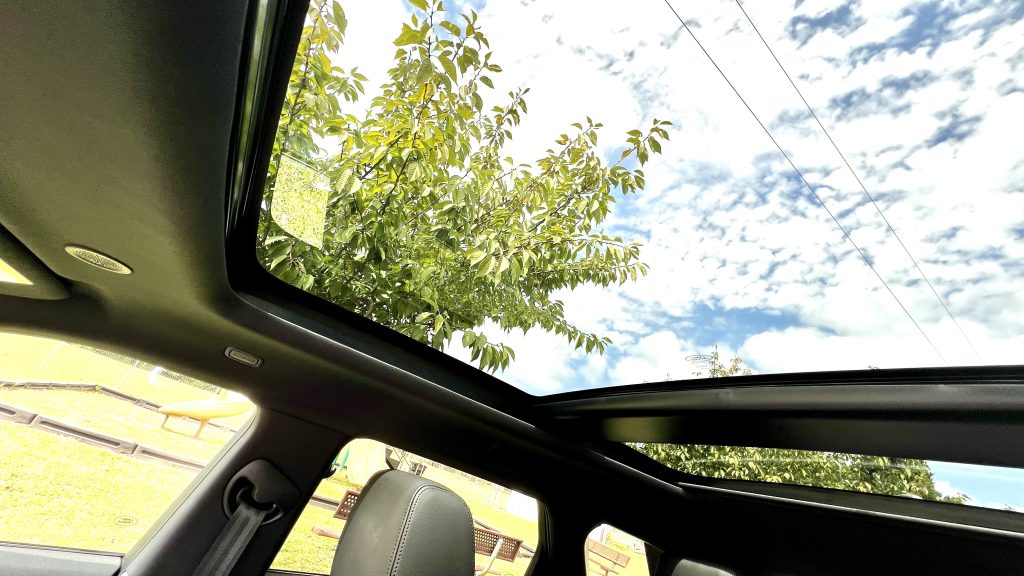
(405, 525)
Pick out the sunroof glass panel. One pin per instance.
(572, 195)
(993, 487)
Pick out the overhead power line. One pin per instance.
(806, 183)
(859, 181)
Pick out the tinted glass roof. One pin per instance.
(968, 484)
(838, 185)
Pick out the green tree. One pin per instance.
(874, 474)
(430, 227)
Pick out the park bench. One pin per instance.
(486, 542)
(605, 559)
(204, 411)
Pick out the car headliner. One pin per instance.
(124, 128)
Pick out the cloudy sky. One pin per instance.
(925, 100)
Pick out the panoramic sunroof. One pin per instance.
(572, 198)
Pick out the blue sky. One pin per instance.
(987, 486)
(923, 99)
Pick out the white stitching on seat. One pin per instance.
(396, 557)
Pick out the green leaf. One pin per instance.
(475, 255)
(517, 269)
(421, 4)
(277, 261)
(449, 68)
(451, 28)
(344, 182)
(425, 71)
(339, 18)
(408, 36)
(485, 267)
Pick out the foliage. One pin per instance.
(430, 227)
(873, 474)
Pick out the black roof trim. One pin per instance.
(957, 374)
(965, 420)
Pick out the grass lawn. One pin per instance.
(60, 492)
(305, 551)
(73, 495)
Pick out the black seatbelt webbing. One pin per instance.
(220, 559)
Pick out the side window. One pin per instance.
(612, 552)
(10, 275)
(504, 521)
(94, 445)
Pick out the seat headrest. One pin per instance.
(404, 525)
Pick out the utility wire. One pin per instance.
(806, 183)
(859, 181)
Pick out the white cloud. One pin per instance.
(946, 489)
(655, 358)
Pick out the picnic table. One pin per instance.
(486, 542)
(494, 545)
(605, 559)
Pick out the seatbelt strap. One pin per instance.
(222, 556)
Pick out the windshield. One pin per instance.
(572, 195)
